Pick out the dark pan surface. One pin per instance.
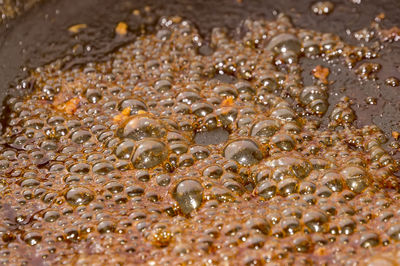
(40, 36)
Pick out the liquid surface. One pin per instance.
(100, 164)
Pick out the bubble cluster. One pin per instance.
(322, 8)
(115, 162)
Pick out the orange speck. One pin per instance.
(122, 28)
(76, 28)
(142, 112)
(176, 19)
(321, 73)
(228, 101)
(147, 8)
(320, 251)
(380, 17)
(126, 111)
(395, 135)
(69, 107)
(118, 118)
(124, 114)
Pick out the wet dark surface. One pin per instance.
(40, 36)
(215, 136)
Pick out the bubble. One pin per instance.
(134, 105)
(307, 188)
(114, 187)
(245, 87)
(245, 151)
(356, 178)
(369, 239)
(234, 186)
(394, 232)
(378, 260)
(347, 226)
(51, 216)
(213, 171)
(149, 153)
(290, 225)
(178, 148)
(34, 123)
(188, 97)
(124, 149)
(283, 141)
(311, 48)
(106, 227)
(32, 238)
(392, 81)
(301, 243)
(316, 98)
(333, 181)
(102, 168)
(189, 195)
(284, 114)
(162, 86)
(55, 120)
(227, 115)
(133, 191)
(199, 152)
(315, 220)
(79, 168)
(226, 91)
(265, 128)
(266, 189)
(80, 136)
(79, 196)
(140, 127)
(202, 109)
(283, 43)
(29, 183)
(185, 160)
(93, 95)
(288, 186)
(163, 180)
